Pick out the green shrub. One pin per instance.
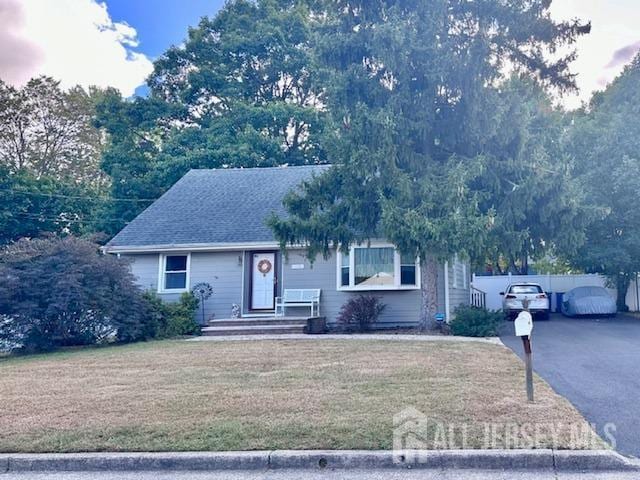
(359, 313)
(173, 319)
(476, 322)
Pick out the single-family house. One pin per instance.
(211, 227)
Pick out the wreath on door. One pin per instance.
(264, 266)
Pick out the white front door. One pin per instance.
(263, 283)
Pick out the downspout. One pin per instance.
(637, 294)
(447, 305)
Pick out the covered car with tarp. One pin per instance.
(588, 301)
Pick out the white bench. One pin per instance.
(299, 297)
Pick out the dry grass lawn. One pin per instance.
(342, 394)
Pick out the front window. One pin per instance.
(344, 270)
(376, 268)
(407, 270)
(175, 269)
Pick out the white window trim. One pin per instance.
(454, 272)
(459, 274)
(357, 288)
(465, 276)
(161, 272)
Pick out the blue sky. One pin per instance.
(162, 26)
(114, 42)
(161, 23)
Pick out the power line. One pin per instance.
(76, 197)
(35, 216)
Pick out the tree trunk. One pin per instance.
(513, 268)
(428, 292)
(622, 286)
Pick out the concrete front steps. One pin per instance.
(255, 326)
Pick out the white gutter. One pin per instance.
(447, 304)
(212, 247)
(189, 247)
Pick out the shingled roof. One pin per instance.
(214, 207)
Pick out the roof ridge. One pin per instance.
(278, 167)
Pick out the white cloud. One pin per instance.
(18, 55)
(601, 54)
(75, 41)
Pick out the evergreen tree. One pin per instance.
(406, 86)
(529, 180)
(606, 144)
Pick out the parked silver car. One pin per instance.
(517, 292)
(588, 301)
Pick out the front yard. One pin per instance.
(337, 394)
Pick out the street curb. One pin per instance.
(587, 460)
(77, 462)
(531, 460)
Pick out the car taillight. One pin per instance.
(542, 295)
(511, 296)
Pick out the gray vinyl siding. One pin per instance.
(402, 306)
(145, 268)
(224, 271)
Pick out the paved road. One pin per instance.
(327, 475)
(595, 363)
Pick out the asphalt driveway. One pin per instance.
(595, 364)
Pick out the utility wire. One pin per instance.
(76, 197)
(35, 216)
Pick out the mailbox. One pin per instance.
(523, 324)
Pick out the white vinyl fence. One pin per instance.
(492, 286)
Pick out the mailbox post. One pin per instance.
(524, 327)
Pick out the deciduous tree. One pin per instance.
(49, 132)
(240, 92)
(32, 206)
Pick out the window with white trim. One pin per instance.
(376, 268)
(174, 273)
(344, 270)
(408, 270)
